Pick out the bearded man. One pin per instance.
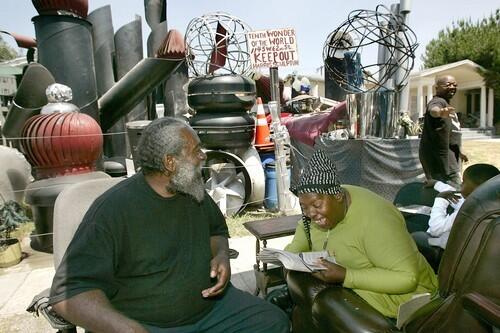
(151, 254)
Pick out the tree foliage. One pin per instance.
(477, 41)
(6, 52)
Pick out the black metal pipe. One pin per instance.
(155, 40)
(133, 87)
(155, 12)
(175, 98)
(104, 47)
(104, 52)
(129, 52)
(65, 49)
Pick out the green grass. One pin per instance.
(480, 151)
(235, 223)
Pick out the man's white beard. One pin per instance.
(188, 180)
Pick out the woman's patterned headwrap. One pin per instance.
(319, 176)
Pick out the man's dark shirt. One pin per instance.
(437, 159)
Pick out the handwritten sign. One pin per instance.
(273, 48)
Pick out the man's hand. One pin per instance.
(464, 158)
(446, 111)
(438, 112)
(219, 266)
(333, 274)
(220, 269)
(451, 196)
(430, 182)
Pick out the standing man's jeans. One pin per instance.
(236, 311)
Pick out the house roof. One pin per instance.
(17, 62)
(463, 71)
(8, 71)
(13, 67)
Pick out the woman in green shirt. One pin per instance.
(376, 255)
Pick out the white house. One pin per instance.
(9, 70)
(473, 99)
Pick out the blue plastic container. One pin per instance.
(267, 158)
(271, 191)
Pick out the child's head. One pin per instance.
(475, 175)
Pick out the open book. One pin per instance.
(416, 209)
(303, 262)
(408, 308)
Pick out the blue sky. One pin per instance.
(312, 19)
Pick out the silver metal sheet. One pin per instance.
(372, 114)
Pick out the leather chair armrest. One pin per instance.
(337, 309)
(303, 287)
(482, 307)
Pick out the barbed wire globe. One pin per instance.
(217, 44)
(371, 50)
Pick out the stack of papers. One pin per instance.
(408, 308)
(302, 262)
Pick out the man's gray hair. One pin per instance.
(160, 138)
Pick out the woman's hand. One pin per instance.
(333, 274)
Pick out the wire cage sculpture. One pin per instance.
(217, 44)
(367, 30)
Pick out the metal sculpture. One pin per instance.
(76, 68)
(29, 99)
(217, 44)
(61, 140)
(103, 37)
(218, 57)
(155, 12)
(104, 47)
(384, 32)
(129, 49)
(63, 7)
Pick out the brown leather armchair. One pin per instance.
(469, 283)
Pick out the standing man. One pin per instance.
(151, 254)
(438, 140)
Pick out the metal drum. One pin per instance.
(224, 131)
(134, 132)
(372, 114)
(221, 93)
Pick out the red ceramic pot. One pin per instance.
(59, 144)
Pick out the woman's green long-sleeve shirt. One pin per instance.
(382, 262)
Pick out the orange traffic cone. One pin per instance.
(262, 133)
